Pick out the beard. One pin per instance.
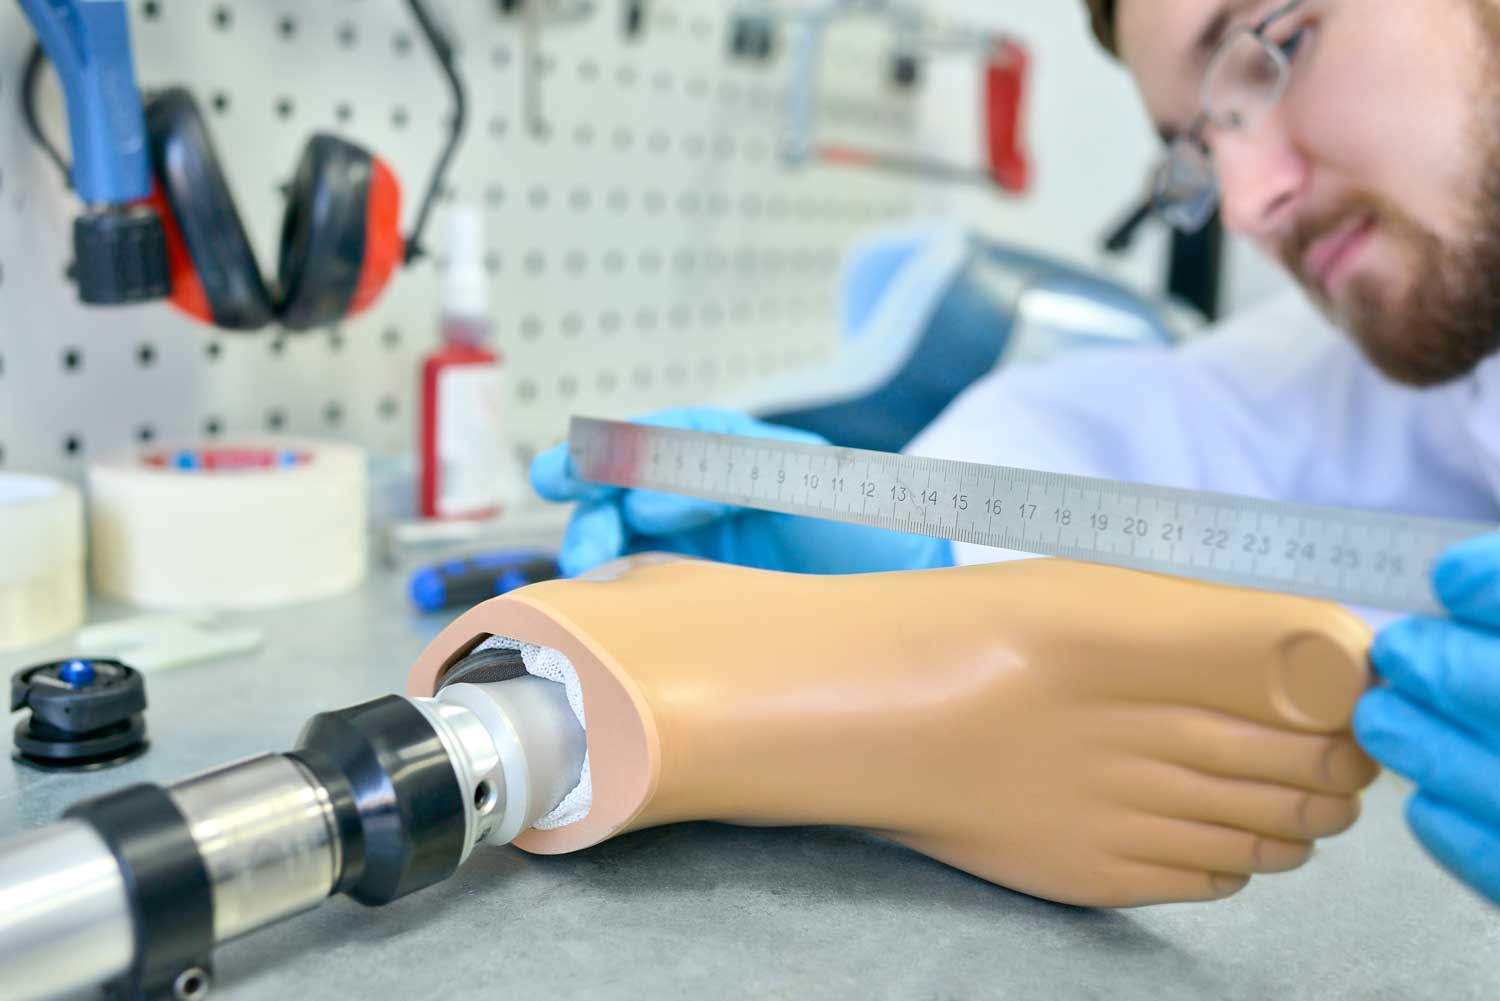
(1447, 320)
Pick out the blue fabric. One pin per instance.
(610, 522)
(1437, 720)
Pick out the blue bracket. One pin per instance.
(88, 41)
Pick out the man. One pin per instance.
(1352, 141)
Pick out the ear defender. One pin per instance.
(214, 274)
(341, 238)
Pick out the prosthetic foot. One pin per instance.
(1085, 734)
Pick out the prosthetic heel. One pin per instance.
(1085, 734)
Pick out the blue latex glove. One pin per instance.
(1438, 720)
(610, 522)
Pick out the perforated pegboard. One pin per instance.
(650, 250)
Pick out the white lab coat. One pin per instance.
(1275, 403)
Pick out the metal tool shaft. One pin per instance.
(380, 800)
(64, 912)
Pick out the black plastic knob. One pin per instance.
(120, 256)
(84, 714)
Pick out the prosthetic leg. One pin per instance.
(1089, 735)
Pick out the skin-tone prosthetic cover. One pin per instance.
(1085, 734)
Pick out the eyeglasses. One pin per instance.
(1246, 78)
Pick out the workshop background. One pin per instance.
(647, 246)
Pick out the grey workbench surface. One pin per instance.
(706, 911)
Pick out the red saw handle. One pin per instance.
(1004, 107)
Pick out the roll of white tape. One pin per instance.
(41, 560)
(251, 524)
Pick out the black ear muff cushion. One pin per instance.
(188, 171)
(323, 236)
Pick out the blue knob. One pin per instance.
(78, 673)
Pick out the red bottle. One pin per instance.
(460, 446)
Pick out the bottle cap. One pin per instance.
(465, 285)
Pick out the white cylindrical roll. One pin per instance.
(41, 560)
(243, 525)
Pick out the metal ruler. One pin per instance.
(1356, 557)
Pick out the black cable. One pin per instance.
(29, 80)
(442, 51)
(1122, 236)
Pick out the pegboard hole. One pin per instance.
(151, 10)
(223, 17)
(389, 408)
(333, 413)
(73, 446)
(348, 35)
(145, 434)
(391, 337)
(145, 355)
(214, 350)
(220, 102)
(213, 427)
(285, 108)
(72, 360)
(275, 420)
(287, 26)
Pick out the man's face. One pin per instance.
(1376, 178)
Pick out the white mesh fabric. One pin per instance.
(553, 666)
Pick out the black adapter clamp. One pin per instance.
(85, 714)
(170, 893)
